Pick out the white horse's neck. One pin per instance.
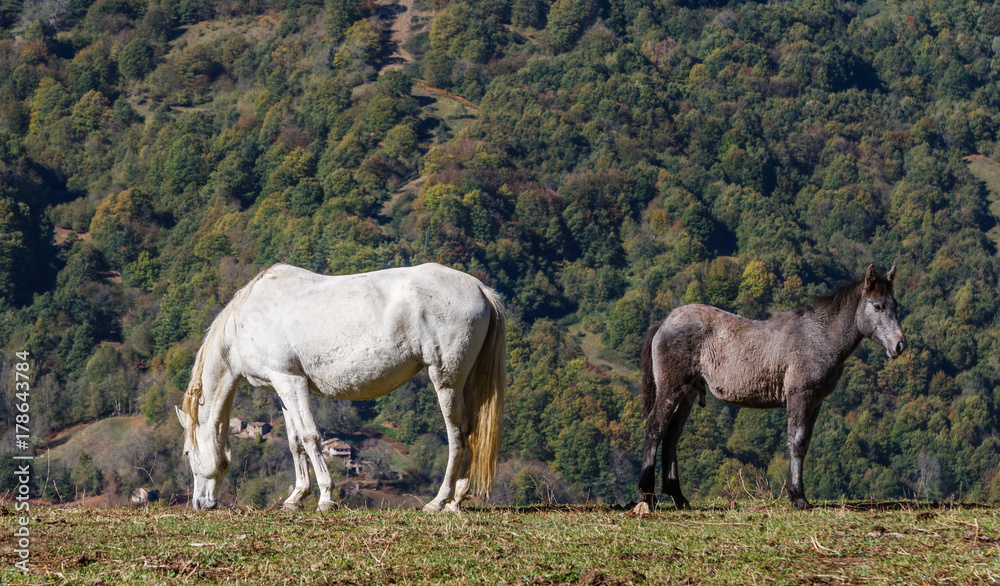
(218, 402)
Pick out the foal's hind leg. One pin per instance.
(671, 477)
(656, 424)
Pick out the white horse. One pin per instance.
(352, 337)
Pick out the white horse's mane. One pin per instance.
(214, 339)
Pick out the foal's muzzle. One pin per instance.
(894, 350)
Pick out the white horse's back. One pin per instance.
(358, 336)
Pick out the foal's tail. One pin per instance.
(214, 349)
(648, 383)
(484, 396)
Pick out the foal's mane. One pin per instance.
(846, 294)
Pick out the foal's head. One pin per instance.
(207, 450)
(876, 315)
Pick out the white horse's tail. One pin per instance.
(484, 397)
(214, 348)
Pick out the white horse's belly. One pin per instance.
(360, 378)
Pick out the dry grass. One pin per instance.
(762, 542)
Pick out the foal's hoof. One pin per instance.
(801, 504)
(642, 508)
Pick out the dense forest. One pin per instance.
(598, 162)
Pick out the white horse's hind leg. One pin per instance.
(461, 485)
(453, 406)
(294, 393)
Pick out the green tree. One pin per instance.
(362, 45)
(86, 477)
(627, 324)
(50, 102)
(340, 15)
(755, 289)
(527, 14)
(137, 58)
(91, 112)
(116, 226)
(566, 21)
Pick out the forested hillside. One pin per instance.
(611, 160)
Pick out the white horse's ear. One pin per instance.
(183, 417)
(891, 275)
(870, 276)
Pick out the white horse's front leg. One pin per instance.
(301, 489)
(294, 392)
(312, 444)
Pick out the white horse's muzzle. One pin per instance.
(204, 503)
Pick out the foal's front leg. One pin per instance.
(801, 419)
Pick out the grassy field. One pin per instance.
(988, 171)
(751, 543)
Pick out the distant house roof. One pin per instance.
(256, 429)
(144, 495)
(337, 448)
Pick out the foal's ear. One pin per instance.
(870, 276)
(891, 274)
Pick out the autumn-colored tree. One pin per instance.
(91, 112)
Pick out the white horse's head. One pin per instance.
(208, 452)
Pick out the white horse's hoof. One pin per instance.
(642, 509)
(453, 508)
(327, 506)
(291, 506)
(432, 507)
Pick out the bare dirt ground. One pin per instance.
(403, 31)
(62, 234)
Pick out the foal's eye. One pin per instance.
(877, 306)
